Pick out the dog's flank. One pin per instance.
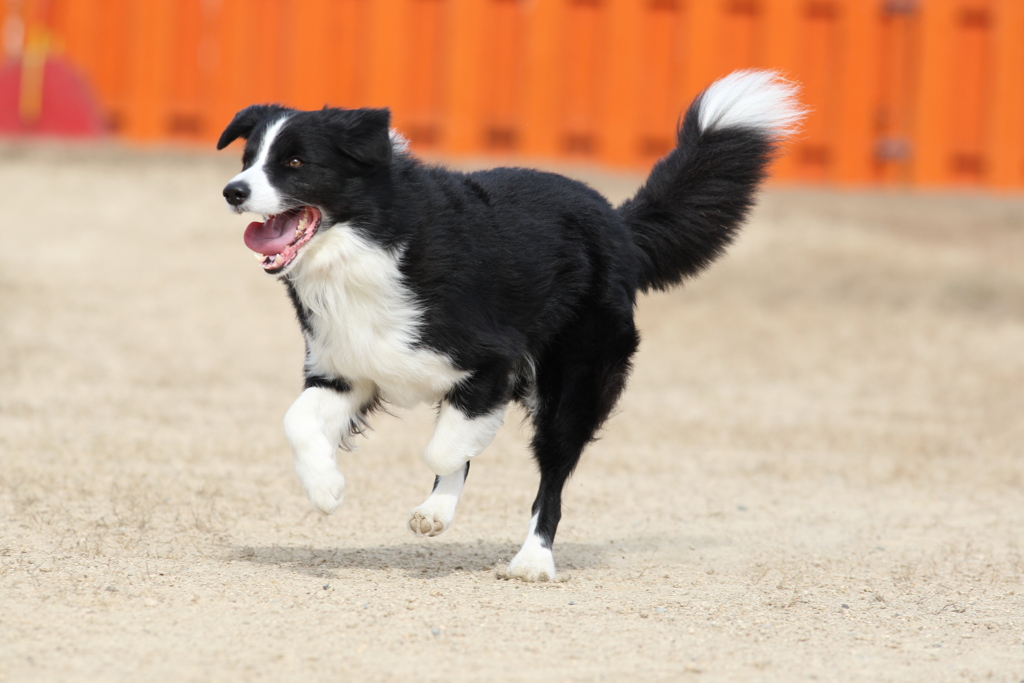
(413, 283)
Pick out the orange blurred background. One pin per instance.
(904, 92)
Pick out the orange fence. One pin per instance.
(925, 92)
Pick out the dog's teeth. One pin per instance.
(259, 257)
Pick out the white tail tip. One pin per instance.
(399, 143)
(752, 99)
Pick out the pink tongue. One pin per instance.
(273, 236)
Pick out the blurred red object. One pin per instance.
(47, 97)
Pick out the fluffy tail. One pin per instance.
(696, 198)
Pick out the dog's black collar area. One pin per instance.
(277, 241)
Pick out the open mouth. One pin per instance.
(277, 240)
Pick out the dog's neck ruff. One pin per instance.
(363, 322)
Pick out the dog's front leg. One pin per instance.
(457, 438)
(437, 512)
(316, 424)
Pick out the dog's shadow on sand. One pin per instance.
(416, 560)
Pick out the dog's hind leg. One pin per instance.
(320, 421)
(457, 438)
(578, 383)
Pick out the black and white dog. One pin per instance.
(414, 283)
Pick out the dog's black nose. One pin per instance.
(236, 193)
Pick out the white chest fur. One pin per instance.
(364, 320)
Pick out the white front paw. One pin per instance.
(325, 488)
(431, 518)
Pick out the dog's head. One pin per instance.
(305, 171)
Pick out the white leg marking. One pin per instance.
(315, 425)
(534, 562)
(437, 512)
(458, 438)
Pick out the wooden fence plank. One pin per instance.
(855, 135)
(617, 125)
(76, 33)
(583, 61)
(235, 27)
(149, 70)
(656, 89)
(1005, 143)
(466, 73)
(702, 52)
(541, 129)
(183, 118)
(970, 81)
(387, 32)
(347, 50)
(309, 53)
(427, 38)
(930, 163)
(503, 73)
(782, 28)
(112, 57)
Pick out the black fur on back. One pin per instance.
(522, 254)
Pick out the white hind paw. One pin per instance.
(533, 563)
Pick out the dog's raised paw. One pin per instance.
(325, 489)
(426, 523)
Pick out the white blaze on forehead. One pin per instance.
(263, 197)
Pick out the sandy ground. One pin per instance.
(815, 474)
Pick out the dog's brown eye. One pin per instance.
(294, 162)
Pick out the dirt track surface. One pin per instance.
(815, 474)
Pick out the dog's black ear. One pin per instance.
(363, 134)
(242, 125)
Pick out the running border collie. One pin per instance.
(413, 283)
